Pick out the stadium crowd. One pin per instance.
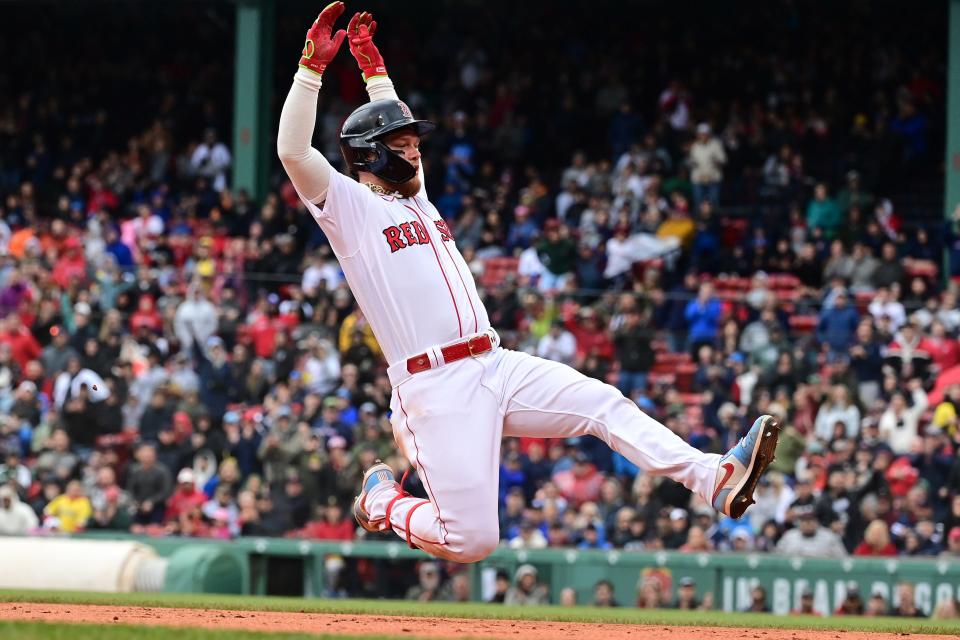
(178, 358)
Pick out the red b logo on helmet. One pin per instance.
(404, 109)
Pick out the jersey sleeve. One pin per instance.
(344, 214)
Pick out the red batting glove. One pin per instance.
(320, 48)
(361, 29)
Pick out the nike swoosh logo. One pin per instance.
(728, 470)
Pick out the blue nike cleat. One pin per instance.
(376, 474)
(742, 466)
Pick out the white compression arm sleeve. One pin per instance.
(307, 168)
(381, 88)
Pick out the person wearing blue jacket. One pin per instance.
(838, 325)
(703, 318)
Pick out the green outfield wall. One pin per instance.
(252, 565)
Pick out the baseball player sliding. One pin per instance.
(456, 392)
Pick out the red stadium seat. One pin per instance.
(803, 325)
(921, 269)
(863, 299)
(685, 373)
(657, 377)
(496, 270)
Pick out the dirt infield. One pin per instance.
(401, 626)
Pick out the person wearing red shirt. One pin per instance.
(592, 338)
(146, 316)
(944, 350)
(263, 328)
(581, 483)
(185, 499)
(329, 525)
(23, 346)
(71, 265)
(876, 541)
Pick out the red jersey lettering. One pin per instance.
(422, 236)
(445, 234)
(393, 239)
(408, 234)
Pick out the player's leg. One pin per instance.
(449, 426)
(549, 399)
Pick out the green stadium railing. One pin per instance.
(248, 565)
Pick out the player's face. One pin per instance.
(407, 144)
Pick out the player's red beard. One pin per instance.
(409, 188)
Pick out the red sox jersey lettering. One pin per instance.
(393, 250)
(406, 235)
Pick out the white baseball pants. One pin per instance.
(449, 422)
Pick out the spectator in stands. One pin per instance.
(149, 485)
(889, 271)
(526, 590)
(702, 316)
(211, 160)
(16, 518)
(840, 410)
(899, 423)
(580, 483)
(876, 605)
(634, 353)
(909, 354)
(707, 158)
(603, 595)
(758, 601)
(687, 596)
(806, 604)
(501, 585)
(456, 589)
(823, 212)
(56, 460)
(558, 344)
(428, 587)
(650, 593)
(884, 305)
(876, 541)
(113, 508)
(837, 325)
(906, 606)
(809, 539)
(329, 523)
(185, 498)
(953, 543)
(852, 603)
(70, 511)
(557, 253)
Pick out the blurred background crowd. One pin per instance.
(720, 226)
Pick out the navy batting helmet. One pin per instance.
(362, 132)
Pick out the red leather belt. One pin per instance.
(475, 346)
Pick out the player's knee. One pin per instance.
(478, 545)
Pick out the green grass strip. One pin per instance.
(490, 611)
(70, 631)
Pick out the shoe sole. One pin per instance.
(359, 512)
(741, 496)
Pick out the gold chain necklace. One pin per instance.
(378, 189)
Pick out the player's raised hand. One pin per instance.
(361, 29)
(321, 47)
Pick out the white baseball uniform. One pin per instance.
(415, 289)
